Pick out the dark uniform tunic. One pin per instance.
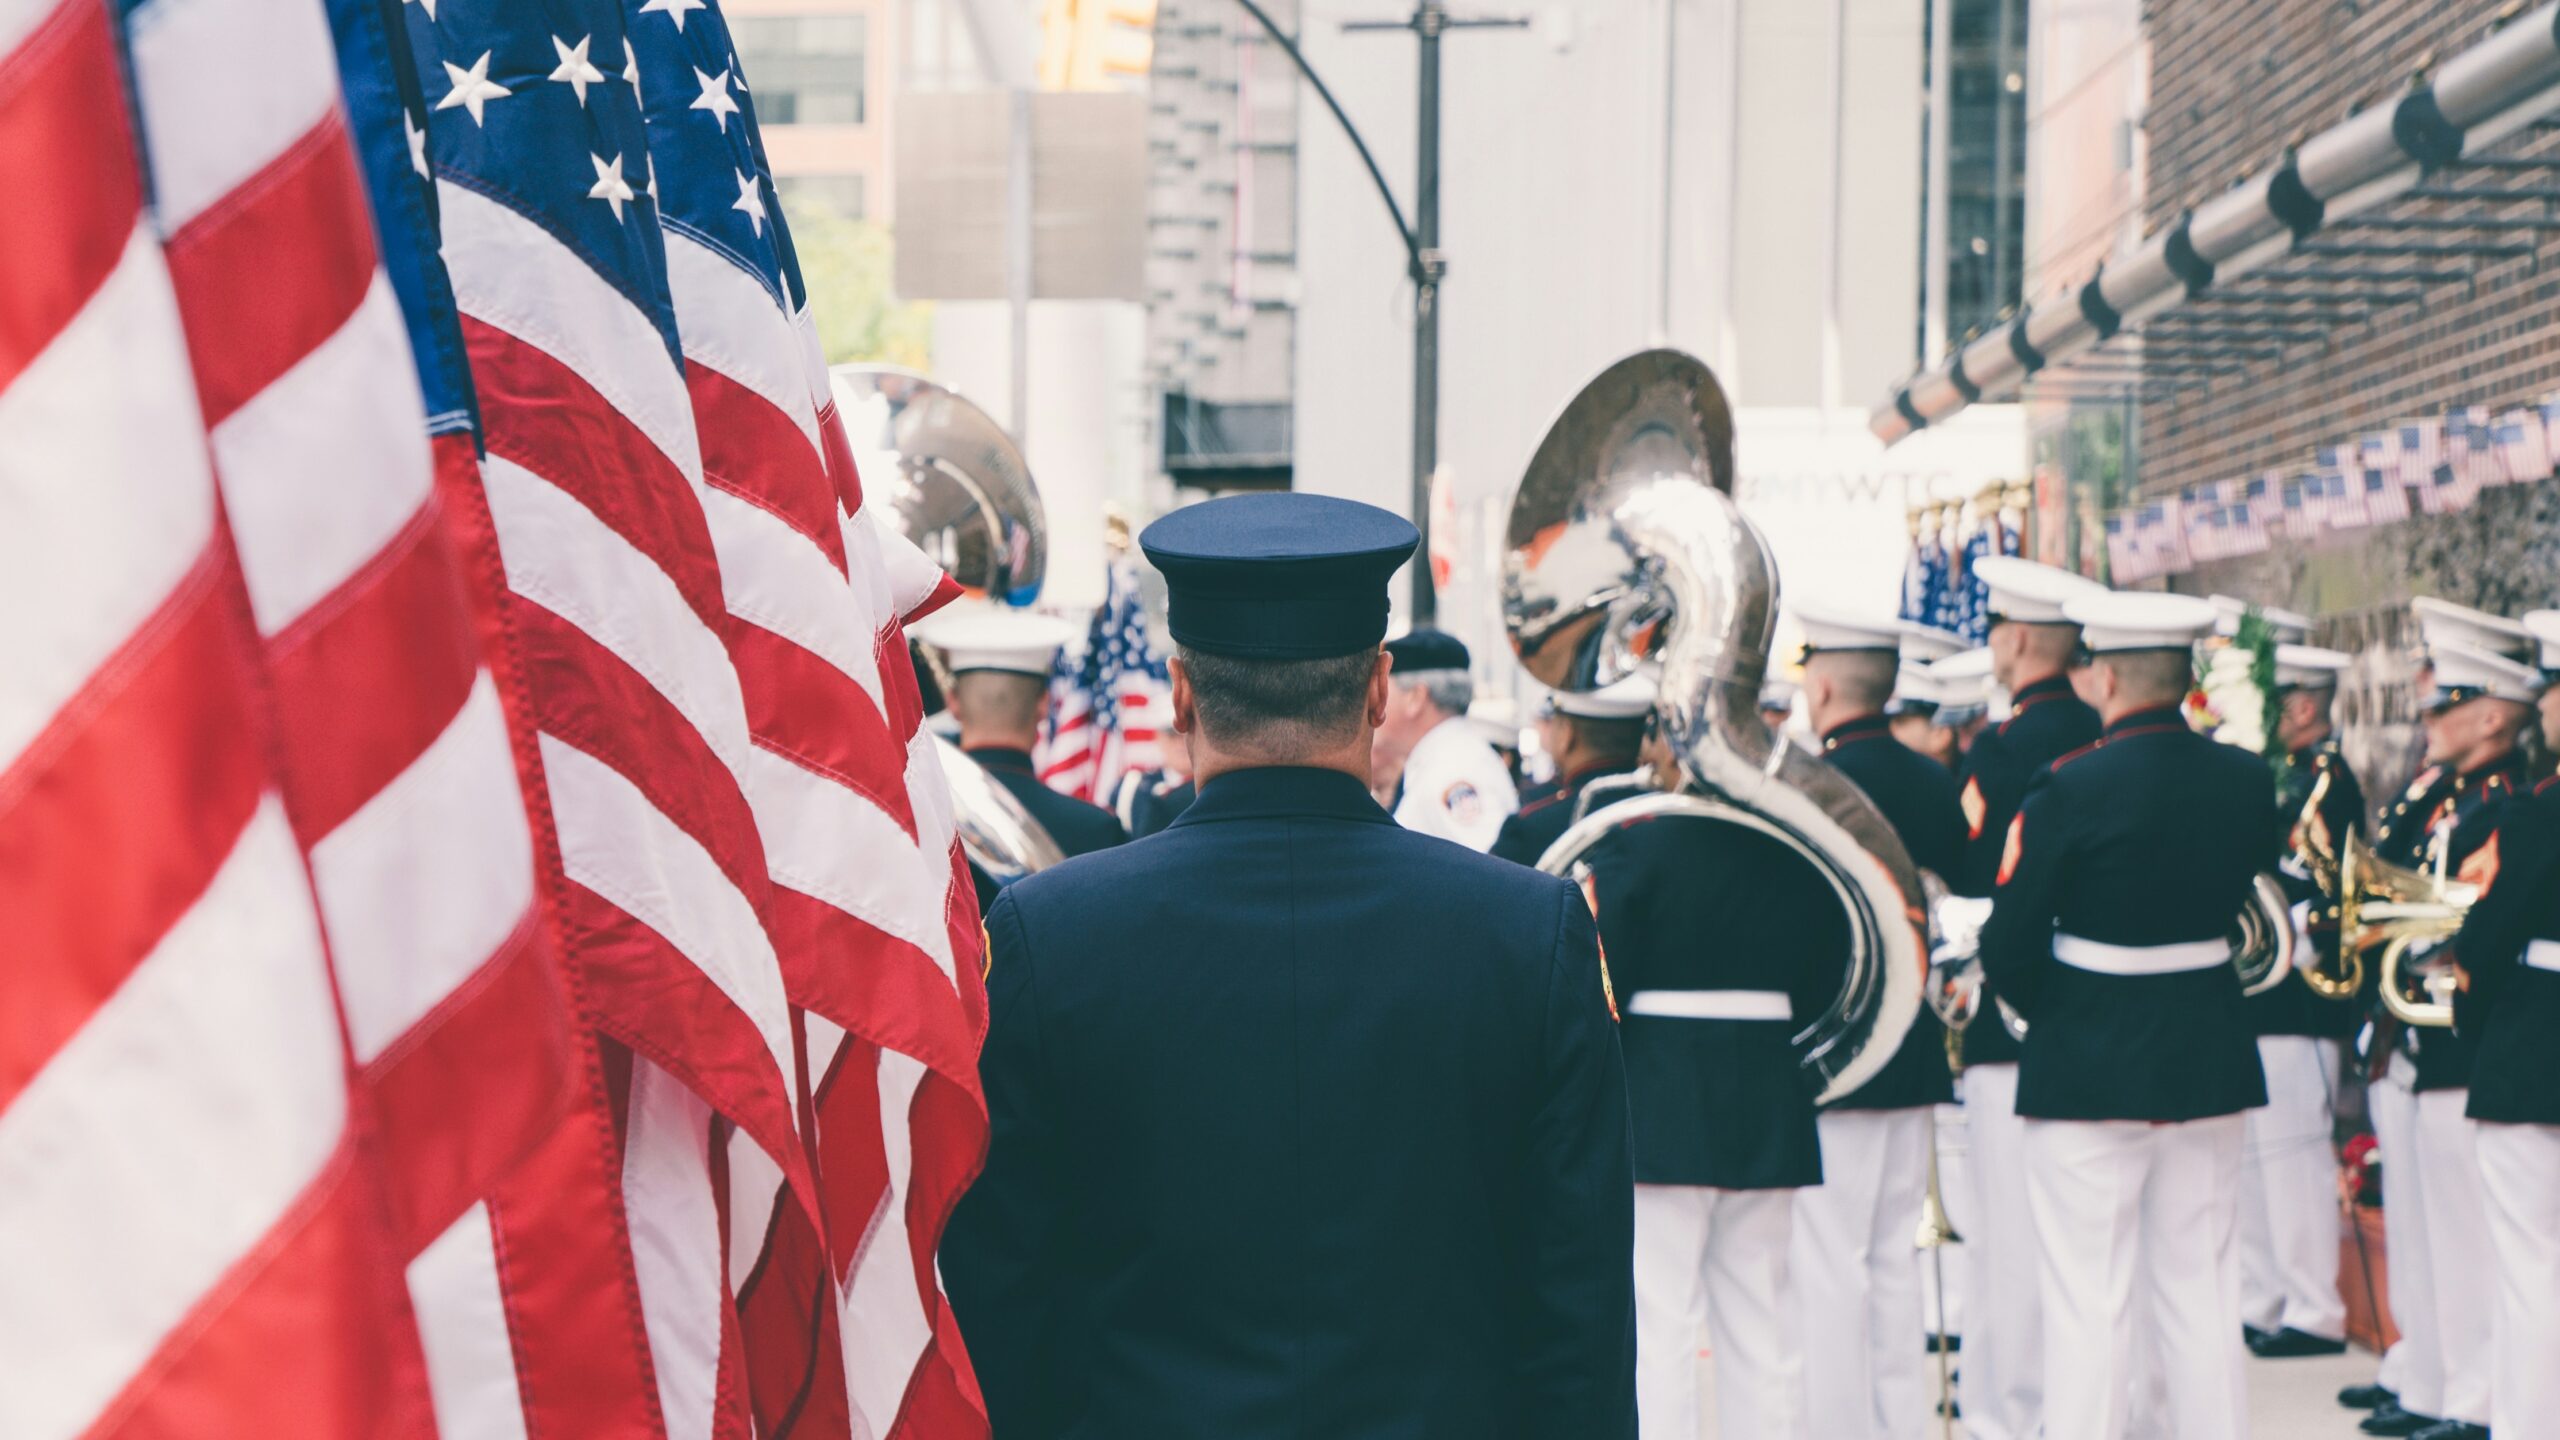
(1689, 905)
(1079, 828)
(1918, 796)
(2290, 1008)
(1149, 800)
(2510, 946)
(2152, 836)
(2049, 722)
(2467, 805)
(1545, 813)
(1304, 1125)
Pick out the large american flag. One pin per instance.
(1109, 703)
(488, 950)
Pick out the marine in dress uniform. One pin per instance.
(1591, 733)
(1303, 1124)
(2032, 642)
(2509, 949)
(1000, 659)
(2480, 700)
(1447, 781)
(2120, 877)
(1724, 943)
(1857, 1275)
(2289, 1297)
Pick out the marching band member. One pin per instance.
(2289, 1297)
(2118, 880)
(1000, 659)
(1302, 1124)
(1444, 779)
(1589, 734)
(2472, 717)
(2032, 645)
(1857, 1276)
(2509, 949)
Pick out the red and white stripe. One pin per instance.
(196, 1235)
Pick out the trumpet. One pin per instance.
(2397, 910)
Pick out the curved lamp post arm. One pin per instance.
(1395, 212)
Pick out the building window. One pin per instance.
(805, 69)
(1986, 161)
(836, 194)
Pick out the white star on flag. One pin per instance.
(673, 9)
(631, 69)
(750, 200)
(576, 70)
(472, 88)
(715, 97)
(610, 187)
(417, 145)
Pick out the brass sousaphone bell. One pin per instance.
(1625, 550)
(953, 482)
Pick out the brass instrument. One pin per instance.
(2397, 909)
(1936, 1233)
(958, 489)
(2262, 939)
(1626, 547)
(2316, 852)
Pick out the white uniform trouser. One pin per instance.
(2002, 1390)
(1942, 1280)
(1857, 1277)
(2458, 1255)
(2289, 1194)
(2121, 1204)
(2414, 1370)
(1717, 1260)
(2520, 1174)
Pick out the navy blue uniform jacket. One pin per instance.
(1304, 1125)
(2152, 836)
(1079, 828)
(2050, 722)
(1918, 797)
(1546, 812)
(2513, 1009)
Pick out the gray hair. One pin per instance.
(1276, 709)
(1451, 691)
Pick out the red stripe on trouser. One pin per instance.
(67, 147)
(758, 454)
(802, 707)
(307, 1335)
(472, 1087)
(653, 999)
(371, 676)
(118, 815)
(544, 416)
(303, 215)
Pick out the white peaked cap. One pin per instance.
(982, 635)
(1965, 666)
(1927, 644)
(2291, 627)
(1497, 719)
(2544, 627)
(1777, 693)
(2115, 621)
(2467, 672)
(2442, 622)
(1920, 685)
(2030, 593)
(1627, 699)
(1842, 630)
(2306, 667)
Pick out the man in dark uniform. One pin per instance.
(1856, 1274)
(2510, 954)
(1590, 734)
(2289, 1297)
(1000, 660)
(1146, 801)
(2112, 908)
(2482, 695)
(1724, 944)
(2031, 652)
(1304, 1124)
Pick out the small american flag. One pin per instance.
(1109, 703)
(2524, 445)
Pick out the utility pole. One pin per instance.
(1425, 262)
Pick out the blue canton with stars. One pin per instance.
(713, 183)
(533, 104)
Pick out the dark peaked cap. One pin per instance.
(1278, 576)
(1419, 651)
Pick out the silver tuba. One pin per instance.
(957, 487)
(1626, 547)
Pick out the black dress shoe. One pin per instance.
(2291, 1344)
(2390, 1419)
(1950, 1344)
(2366, 1397)
(2252, 1336)
(2454, 1430)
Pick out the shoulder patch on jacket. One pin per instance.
(1976, 809)
(2010, 848)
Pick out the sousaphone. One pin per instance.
(1626, 548)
